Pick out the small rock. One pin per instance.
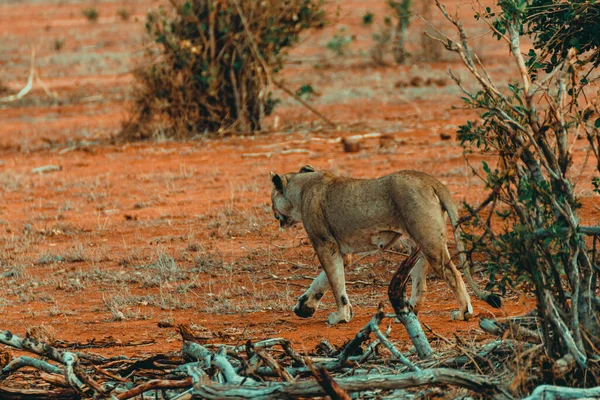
(351, 145)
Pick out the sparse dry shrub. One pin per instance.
(91, 14)
(210, 64)
(124, 14)
(431, 50)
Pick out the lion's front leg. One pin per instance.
(333, 265)
(309, 301)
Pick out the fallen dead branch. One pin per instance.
(276, 153)
(331, 387)
(368, 383)
(319, 114)
(27, 88)
(153, 385)
(548, 392)
(46, 168)
(510, 329)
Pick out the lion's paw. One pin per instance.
(340, 317)
(302, 309)
(460, 316)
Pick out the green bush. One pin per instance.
(339, 42)
(124, 14)
(211, 64)
(91, 14)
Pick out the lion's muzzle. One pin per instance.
(284, 221)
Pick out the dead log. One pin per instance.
(56, 380)
(194, 351)
(153, 385)
(281, 86)
(7, 393)
(402, 308)
(229, 373)
(382, 339)
(274, 153)
(25, 361)
(45, 169)
(509, 329)
(342, 361)
(482, 385)
(354, 344)
(548, 392)
(267, 343)
(275, 366)
(328, 384)
(68, 359)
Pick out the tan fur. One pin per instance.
(344, 216)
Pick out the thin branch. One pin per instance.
(27, 87)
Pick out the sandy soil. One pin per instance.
(124, 238)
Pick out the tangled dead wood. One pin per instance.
(272, 369)
(266, 369)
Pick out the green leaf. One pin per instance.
(486, 167)
(186, 8)
(161, 38)
(305, 89)
(597, 123)
(368, 18)
(574, 41)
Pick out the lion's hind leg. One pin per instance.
(445, 268)
(436, 253)
(419, 284)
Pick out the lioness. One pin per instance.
(344, 216)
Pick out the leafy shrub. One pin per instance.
(124, 14)
(383, 41)
(572, 24)
(431, 49)
(403, 14)
(91, 14)
(392, 34)
(529, 228)
(306, 91)
(367, 18)
(58, 44)
(211, 64)
(339, 42)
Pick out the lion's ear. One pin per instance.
(307, 168)
(277, 181)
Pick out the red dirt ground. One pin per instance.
(125, 236)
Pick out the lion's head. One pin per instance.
(283, 208)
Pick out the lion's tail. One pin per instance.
(452, 211)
